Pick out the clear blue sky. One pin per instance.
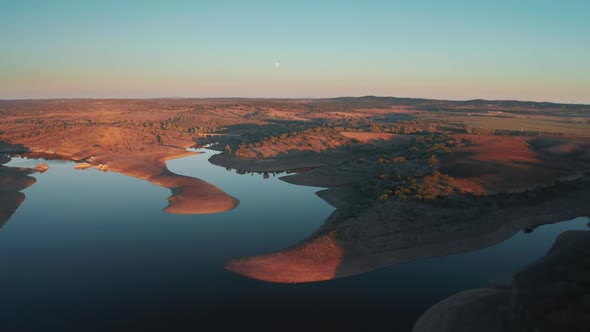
(527, 49)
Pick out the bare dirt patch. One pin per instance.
(507, 163)
(365, 137)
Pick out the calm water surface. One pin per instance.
(92, 251)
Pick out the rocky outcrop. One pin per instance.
(82, 166)
(551, 295)
(41, 168)
(482, 310)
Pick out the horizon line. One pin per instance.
(293, 98)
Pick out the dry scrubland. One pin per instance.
(409, 178)
(405, 148)
(384, 160)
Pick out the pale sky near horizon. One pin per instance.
(526, 50)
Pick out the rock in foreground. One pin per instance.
(551, 295)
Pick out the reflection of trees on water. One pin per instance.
(530, 229)
(266, 174)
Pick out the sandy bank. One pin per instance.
(41, 168)
(193, 196)
(395, 232)
(189, 195)
(315, 260)
(82, 166)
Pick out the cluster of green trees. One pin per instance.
(392, 160)
(437, 143)
(402, 129)
(423, 182)
(427, 188)
(182, 124)
(479, 131)
(318, 138)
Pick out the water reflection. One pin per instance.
(80, 231)
(189, 195)
(267, 174)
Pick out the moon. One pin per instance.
(277, 64)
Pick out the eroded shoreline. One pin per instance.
(391, 234)
(360, 237)
(188, 195)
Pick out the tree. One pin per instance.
(228, 150)
(397, 160)
(432, 161)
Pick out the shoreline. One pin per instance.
(188, 195)
(383, 235)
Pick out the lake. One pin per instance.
(93, 251)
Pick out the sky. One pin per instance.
(526, 50)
